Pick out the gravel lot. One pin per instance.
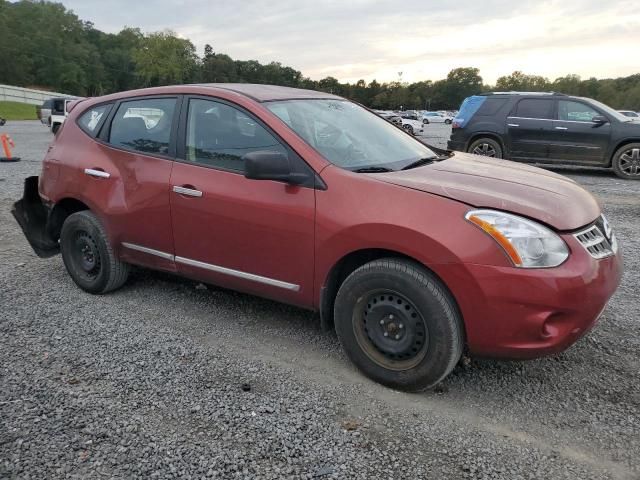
(147, 381)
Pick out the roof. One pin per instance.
(267, 93)
(523, 93)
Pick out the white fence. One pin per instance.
(27, 95)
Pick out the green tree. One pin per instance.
(162, 59)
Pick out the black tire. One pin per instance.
(408, 128)
(88, 256)
(425, 121)
(626, 162)
(448, 121)
(398, 324)
(55, 127)
(486, 147)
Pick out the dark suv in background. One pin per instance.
(548, 128)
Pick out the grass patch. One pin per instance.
(17, 111)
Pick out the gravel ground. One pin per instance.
(148, 381)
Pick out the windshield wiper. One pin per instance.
(422, 161)
(372, 170)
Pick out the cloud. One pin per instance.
(352, 39)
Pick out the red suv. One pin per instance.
(411, 252)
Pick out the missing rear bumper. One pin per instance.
(32, 216)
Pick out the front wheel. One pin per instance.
(88, 256)
(55, 127)
(398, 324)
(408, 128)
(425, 121)
(448, 121)
(626, 162)
(487, 147)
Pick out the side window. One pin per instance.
(219, 135)
(491, 106)
(575, 111)
(534, 108)
(90, 119)
(143, 125)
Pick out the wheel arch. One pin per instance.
(353, 260)
(618, 146)
(59, 213)
(491, 135)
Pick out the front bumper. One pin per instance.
(33, 217)
(457, 146)
(527, 313)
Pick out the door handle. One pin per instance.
(513, 124)
(95, 172)
(186, 190)
(562, 128)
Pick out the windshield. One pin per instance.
(348, 135)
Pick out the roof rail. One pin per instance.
(523, 93)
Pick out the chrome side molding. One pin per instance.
(237, 273)
(214, 268)
(150, 251)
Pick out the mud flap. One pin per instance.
(32, 216)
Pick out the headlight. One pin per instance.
(528, 244)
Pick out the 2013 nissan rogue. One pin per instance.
(411, 252)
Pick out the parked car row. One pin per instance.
(408, 122)
(548, 128)
(307, 198)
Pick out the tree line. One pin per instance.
(44, 45)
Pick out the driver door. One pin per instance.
(250, 235)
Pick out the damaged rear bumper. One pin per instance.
(33, 217)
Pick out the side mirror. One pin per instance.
(599, 119)
(271, 165)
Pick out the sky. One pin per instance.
(354, 39)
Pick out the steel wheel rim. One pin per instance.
(484, 149)
(85, 255)
(390, 330)
(629, 162)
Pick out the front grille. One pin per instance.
(598, 239)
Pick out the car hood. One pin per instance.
(500, 184)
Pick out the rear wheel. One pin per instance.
(88, 256)
(425, 121)
(55, 127)
(398, 324)
(486, 147)
(448, 121)
(626, 162)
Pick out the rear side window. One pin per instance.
(534, 108)
(491, 106)
(218, 135)
(92, 118)
(143, 125)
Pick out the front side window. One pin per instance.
(90, 119)
(575, 111)
(535, 108)
(143, 125)
(348, 135)
(218, 135)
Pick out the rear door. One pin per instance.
(128, 175)
(528, 128)
(575, 137)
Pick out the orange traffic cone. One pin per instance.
(7, 145)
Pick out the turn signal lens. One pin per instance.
(527, 244)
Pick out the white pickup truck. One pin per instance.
(54, 111)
